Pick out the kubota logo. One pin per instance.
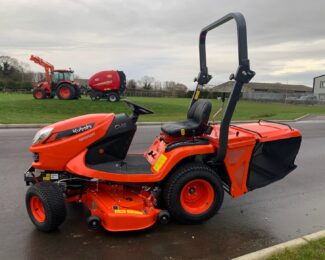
(82, 129)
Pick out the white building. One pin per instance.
(319, 87)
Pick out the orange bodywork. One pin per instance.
(69, 154)
(78, 166)
(55, 154)
(241, 142)
(48, 67)
(120, 208)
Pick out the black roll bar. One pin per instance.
(243, 75)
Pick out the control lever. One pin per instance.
(223, 98)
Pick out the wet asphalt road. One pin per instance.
(282, 211)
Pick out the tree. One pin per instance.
(146, 82)
(157, 85)
(179, 90)
(175, 89)
(131, 84)
(169, 85)
(9, 71)
(8, 67)
(14, 74)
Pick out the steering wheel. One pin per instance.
(136, 109)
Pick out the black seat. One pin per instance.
(196, 123)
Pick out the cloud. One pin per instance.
(160, 38)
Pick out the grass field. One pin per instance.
(22, 108)
(313, 250)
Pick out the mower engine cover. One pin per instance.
(108, 80)
(50, 143)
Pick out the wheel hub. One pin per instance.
(197, 196)
(191, 190)
(37, 209)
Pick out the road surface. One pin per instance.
(282, 211)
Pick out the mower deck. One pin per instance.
(120, 208)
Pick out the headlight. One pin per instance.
(42, 134)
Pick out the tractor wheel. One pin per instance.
(46, 206)
(66, 92)
(113, 97)
(39, 93)
(193, 193)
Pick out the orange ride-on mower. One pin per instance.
(186, 169)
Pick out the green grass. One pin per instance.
(22, 108)
(312, 250)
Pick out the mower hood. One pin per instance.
(74, 126)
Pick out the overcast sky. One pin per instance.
(286, 39)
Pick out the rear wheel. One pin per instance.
(66, 92)
(46, 206)
(193, 193)
(113, 97)
(39, 93)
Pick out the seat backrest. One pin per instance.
(200, 113)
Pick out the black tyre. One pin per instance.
(94, 95)
(113, 97)
(77, 92)
(66, 92)
(193, 193)
(46, 206)
(39, 93)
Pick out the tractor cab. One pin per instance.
(60, 75)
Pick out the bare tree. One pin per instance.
(147, 82)
(131, 84)
(169, 86)
(175, 89)
(157, 85)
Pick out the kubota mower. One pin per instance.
(57, 82)
(182, 175)
(108, 84)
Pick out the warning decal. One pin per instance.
(160, 162)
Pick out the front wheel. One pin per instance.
(39, 93)
(46, 206)
(193, 193)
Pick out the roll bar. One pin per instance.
(243, 75)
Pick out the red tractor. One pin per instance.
(57, 82)
(108, 84)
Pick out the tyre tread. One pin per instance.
(53, 202)
(171, 187)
